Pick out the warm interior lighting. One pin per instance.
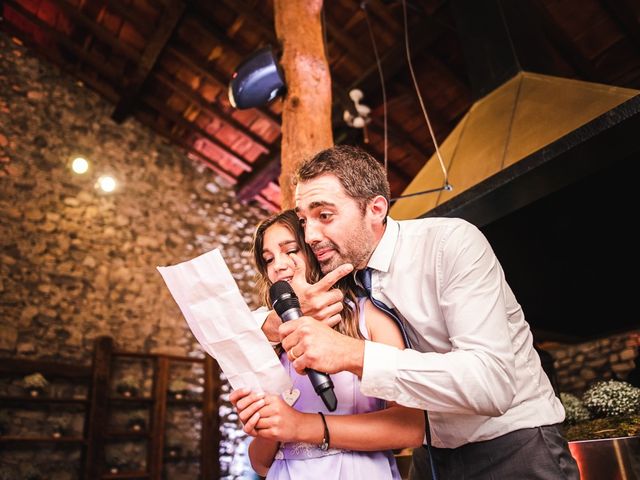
(80, 165)
(107, 183)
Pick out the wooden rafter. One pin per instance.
(177, 119)
(98, 31)
(268, 203)
(625, 17)
(571, 54)
(423, 31)
(181, 142)
(130, 15)
(155, 45)
(61, 39)
(211, 109)
(96, 84)
(265, 169)
(202, 68)
(248, 12)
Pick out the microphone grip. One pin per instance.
(322, 383)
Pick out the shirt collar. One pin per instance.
(381, 257)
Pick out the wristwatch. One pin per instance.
(324, 446)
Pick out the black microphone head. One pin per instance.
(283, 297)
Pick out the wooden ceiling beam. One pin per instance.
(265, 200)
(438, 122)
(382, 12)
(265, 169)
(216, 34)
(625, 17)
(243, 9)
(209, 108)
(565, 45)
(102, 88)
(359, 55)
(200, 15)
(181, 142)
(208, 71)
(99, 65)
(393, 128)
(260, 173)
(97, 30)
(395, 59)
(374, 128)
(155, 45)
(130, 15)
(178, 119)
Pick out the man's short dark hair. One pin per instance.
(361, 175)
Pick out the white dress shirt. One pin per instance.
(472, 364)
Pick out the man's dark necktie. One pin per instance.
(364, 276)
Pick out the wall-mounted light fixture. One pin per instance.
(80, 165)
(257, 80)
(106, 183)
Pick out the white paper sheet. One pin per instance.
(222, 323)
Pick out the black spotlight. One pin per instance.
(257, 80)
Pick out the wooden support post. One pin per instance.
(96, 424)
(210, 440)
(155, 452)
(306, 114)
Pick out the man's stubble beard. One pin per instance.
(356, 250)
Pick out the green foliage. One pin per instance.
(574, 408)
(611, 427)
(612, 398)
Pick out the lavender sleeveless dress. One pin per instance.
(300, 461)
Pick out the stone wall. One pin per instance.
(578, 366)
(76, 263)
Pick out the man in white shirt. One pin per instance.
(492, 412)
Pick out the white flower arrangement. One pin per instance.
(612, 398)
(574, 408)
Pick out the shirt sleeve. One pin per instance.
(478, 375)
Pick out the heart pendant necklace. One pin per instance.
(291, 396)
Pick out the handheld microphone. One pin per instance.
(287, 306)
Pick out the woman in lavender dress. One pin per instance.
(290, 442)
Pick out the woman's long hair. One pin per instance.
(289, 219)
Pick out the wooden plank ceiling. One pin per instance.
(168, 62)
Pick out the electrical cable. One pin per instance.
(363, 6)
(447, 186)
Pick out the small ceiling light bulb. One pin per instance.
(107, 183)
(80, 165)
